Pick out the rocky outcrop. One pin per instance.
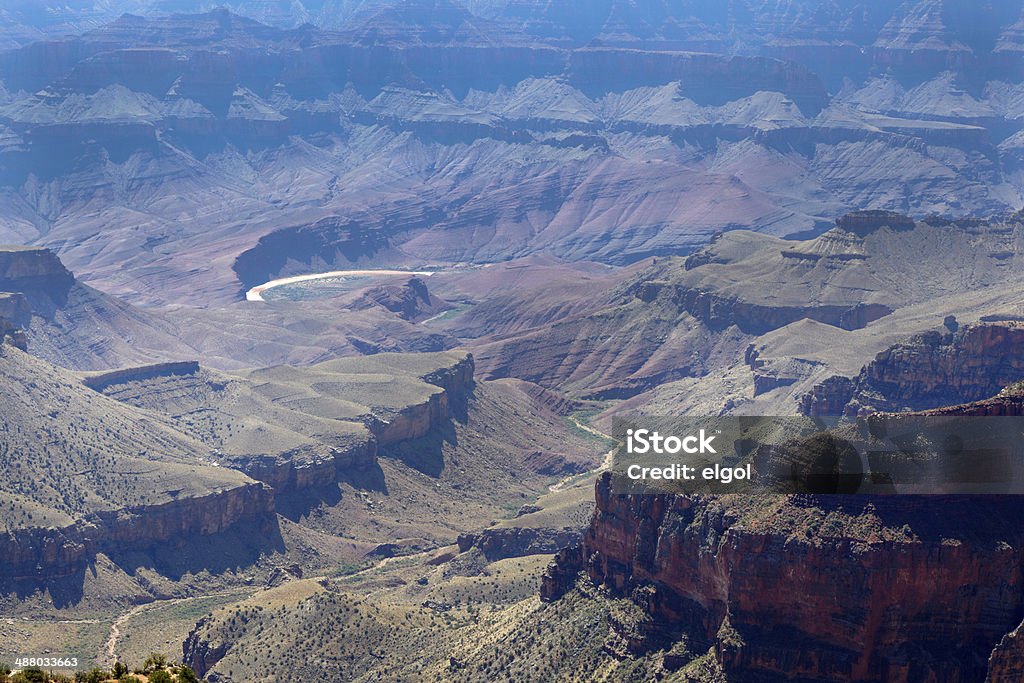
(829, 397)
(778, 373)
(930, 370)
(561, 574)
(862, 223)
(417, 420)
(307, 467)
(38, 555)
(199, 653)
(103, 380)
(24, 268)
(897, 589)
(410, 301)
(9, 334)
(1006, 663)
(15, 314)
(498, 543)
(456, 379)
(718, 311)
(410, 422)
(15, 309)
(32, 280)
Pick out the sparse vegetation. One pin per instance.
(156, 669)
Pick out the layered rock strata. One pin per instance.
(853, 589)
(42, 555)
(930, 370)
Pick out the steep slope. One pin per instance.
(83, 474)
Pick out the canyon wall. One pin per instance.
(817, 587)
(39, 556)
(928, 371)
(306, 468)
(852, 589)
(718, 311)
(100, 381)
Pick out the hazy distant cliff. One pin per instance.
(610, 135)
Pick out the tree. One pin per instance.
(154, 661)
(96, 675)
(160, 676)
(187, 675)
(33, 675)
(119, 670)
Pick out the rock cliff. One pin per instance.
(503, 542)
(14, 315)
(200, 653)
(394, 423)
(896, 589)
(38, 556)
(15, 309)
(102, 380)
(29, 268)
(719, 311)
(306, 467)
(928, 371)
(1006, 664)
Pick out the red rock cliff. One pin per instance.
(818, 588)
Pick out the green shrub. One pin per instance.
(187, 675)
(30, 675)
(160, 676)
(96, 675)
(154, 661)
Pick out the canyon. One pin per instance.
(625, 210)
(334, 147)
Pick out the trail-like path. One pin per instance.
(109, 654)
